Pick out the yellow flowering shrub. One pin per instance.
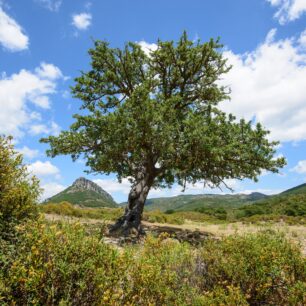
(19, 191)
(66, 264)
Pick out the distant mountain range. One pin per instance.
(84, 193)
(194, 202)
(228, 201)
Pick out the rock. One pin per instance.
(84, 184)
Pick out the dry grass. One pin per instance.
(296, 233)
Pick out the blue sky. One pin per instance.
(43, 47)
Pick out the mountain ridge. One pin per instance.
(295, 190)
(192, 202)
(84, 192)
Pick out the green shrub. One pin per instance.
(290, 220)
(223, 296)
(60, 263)
(67, 209)
(265, 267)
(65, 264)
(159, 217)
(18, 191)
(198, 217)
(161, 273)
(293, 205)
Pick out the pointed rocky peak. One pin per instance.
(84, 184)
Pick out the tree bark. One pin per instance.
(130, 222)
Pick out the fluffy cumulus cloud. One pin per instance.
(52, 5)
(20, 92)
(48, 71)
(300, 167)
(288, 10)
(43, 169)
(28, 153)
(49, 175)
(268, 84)
(50, 189)
(112, 185)
(81, 21)
(302, 40)
(52, 129)
(12, 36)
(147, 47)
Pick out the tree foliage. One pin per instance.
(18, 192)
(159, 110)
(154, 118)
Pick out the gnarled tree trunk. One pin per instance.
(130, 222)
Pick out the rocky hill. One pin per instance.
(84, 193)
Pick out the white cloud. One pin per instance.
(52, 5)
(300, 167)
(50, 189)
(262, 190)
(112, 185)
(288, 10)
(21, 90)
(147, 47)
(48, 71)
(37, 129)
(53, 129)
(28, 153)
(302, 39)
(88, 5)
(269, 84)
(81, 21)
(12, 36)
(43, 169)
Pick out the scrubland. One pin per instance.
(64, 263)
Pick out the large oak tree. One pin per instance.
(154, 118)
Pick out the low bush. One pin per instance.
(159, 217)
(67, 209)
(290, 220)
(60, 265)
(105, 213)
(290, 205)
(265, 267)
(198, 217)
(65, 264)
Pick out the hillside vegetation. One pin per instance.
(86, 198)
(284, 205)
(84, 193)
(194, 202)
(301, 189)
(289, 206)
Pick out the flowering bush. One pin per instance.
(65, 264)
(18, 191)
